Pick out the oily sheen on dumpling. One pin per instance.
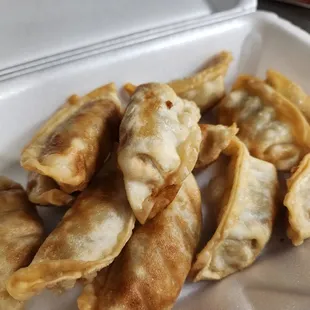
(297, 201)
(244, 196)
(159, 145)
(271, 126)
(21, 234)
(88, 238)
(76, 140)
(153, 266)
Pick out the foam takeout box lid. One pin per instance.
(33, 30)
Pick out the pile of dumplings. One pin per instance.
(134, 221)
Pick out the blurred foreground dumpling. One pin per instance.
(297, 201)
(159, 145)
(245, 199)
(76, 140)
(152, 268)
(88, 238)
(21, 234)
(271, 126)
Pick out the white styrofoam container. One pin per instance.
(258, 41)
(38, 32)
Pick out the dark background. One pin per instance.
(297, 15)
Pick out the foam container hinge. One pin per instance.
(36, 35)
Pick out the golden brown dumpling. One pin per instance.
(297, 201)
(91, 234)
(151, 270)
(76, 139)
(206, 88)
(272, 127)
(245, 197)
(159, 146)
(21, 234)
(43, 190)
(290, 90)
(215, 138)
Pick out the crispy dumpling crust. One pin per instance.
(297, 201)
(272, 127)
(21, 234)
(76, 140)
(43, 190)
(151, 270)
(159, 145)
(289, 90)
(245, 197)
(91, 234)
(215, 138)
(205, 88)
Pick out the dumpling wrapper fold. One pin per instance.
(88, 238)
(245, 197)
(152, 268)
(205, 88)
(290, 90)
(297, 201)
(271, 126)
(76, 140)
(215, 138)
(21, 233)
(44, 191)
(159, 145)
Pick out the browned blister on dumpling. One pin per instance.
(297, 201)
(215, 138)
(271, 126)
(43, 190)
(76, 140)
(290, 90)
(153, 266)
(205, 88)
(89, 237)
(244, 196)
(159, 145)
(21, 234)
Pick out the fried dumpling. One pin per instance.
(215, 138)
(91, 234)
(271, 126)
(43, 190)
(297, 201)
(159, 145)
(21, 234)
(245, 200)
(151, 270)
(76, 139)
(205, 88)
(290, 90)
